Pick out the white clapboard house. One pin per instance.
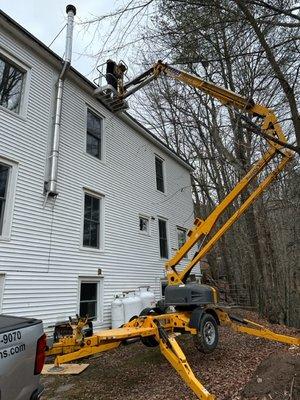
(124, 200)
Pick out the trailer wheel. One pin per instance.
(207, 337)
(148, 341)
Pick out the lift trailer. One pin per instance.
(187, 307)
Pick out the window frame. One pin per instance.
(100, 294)
(167, 237)
(26, 70)
(156, 156)
(146, 217)
(101, 197)
(103, 136)
(180, 228)
(10, 198)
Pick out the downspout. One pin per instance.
(51, 185)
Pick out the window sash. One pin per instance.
(163, 240)
(91, 224)
(4, 175)
(181, 237)
(89, 306)
(11, 85)
(94, 135)
(144, 223)
(159, 174)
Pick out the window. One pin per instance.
(8, 176)
(94, 135)
(11, 83)
(181, 235)
(144, 225)
(159, 169)
(91, 225)
(89, 299)
(163, 240)
(4, 174)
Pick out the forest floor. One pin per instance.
(241, 368)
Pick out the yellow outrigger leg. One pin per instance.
(162, 330)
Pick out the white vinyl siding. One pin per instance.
(44, 257)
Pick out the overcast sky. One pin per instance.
(45, 18)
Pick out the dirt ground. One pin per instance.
(242, 367)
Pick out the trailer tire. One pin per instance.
(207, 337)
(149, 341)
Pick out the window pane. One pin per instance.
(163, 242)
(94, 239)
(144, 224)
(93, 146)
(88, 291)
(159, 174)
(87, 207)
(94, 134)
(11, 79)
(91, 225)
(95, 209)
(4, 169)
(181, 237)
(94, 124)
(87, 233)
(89, 309)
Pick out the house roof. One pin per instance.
(125, 116)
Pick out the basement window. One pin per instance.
(90, 297)
(94, 135)
(11, 85)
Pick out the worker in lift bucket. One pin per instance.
(115, 73)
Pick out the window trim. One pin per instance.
(167, 234)
(156, 156)
(180, 228)
(148, 233)
(101, 160)
(26, 69)
(100, 294)
(101, 196)
(2, 287)
(10, 198)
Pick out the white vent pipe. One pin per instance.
(51, 187)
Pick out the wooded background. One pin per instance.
(251, 48)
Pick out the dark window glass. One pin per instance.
(4, 171)
(159, 174)
(88, 299)
(181, 233)
(11, 79)
(144, 224)
(94, 135)
(163, 241)
(91, 226)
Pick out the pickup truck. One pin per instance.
(22, 357)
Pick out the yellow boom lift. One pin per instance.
(197, 311)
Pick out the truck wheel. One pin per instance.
(207, 337)
(148, 341)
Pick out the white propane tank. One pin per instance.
(132, 305)
(147, 297)
(117, 312)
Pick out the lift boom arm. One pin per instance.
(270, 128)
